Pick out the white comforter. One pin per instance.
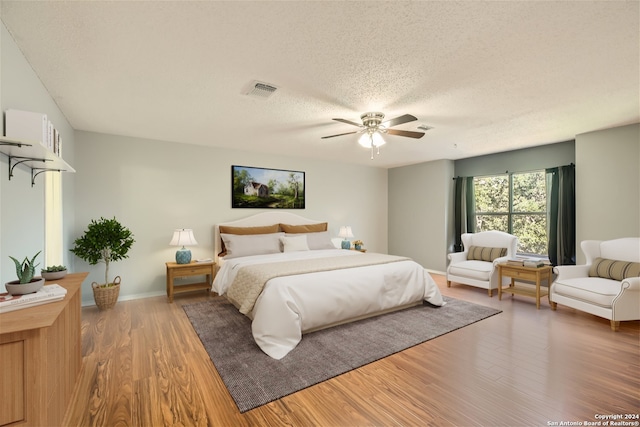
(289, 306)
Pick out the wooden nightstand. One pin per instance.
(363, 250)
(194, 268)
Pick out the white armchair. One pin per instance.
(605, 285)
(478, 267)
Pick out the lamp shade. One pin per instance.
(183, 237)
(345, 231)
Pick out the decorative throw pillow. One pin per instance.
(482, 253)
(265, 229)
(316, 241)
(306, 228)
(295, 243)
(612, 269)
(253, 244)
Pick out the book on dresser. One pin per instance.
(48, 293)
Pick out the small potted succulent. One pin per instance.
(26, 282)
(54, 272)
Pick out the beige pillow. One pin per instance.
(612, 269)
(482, 253)
(226, 229)
(317, 240)
(265, 229)
(295, 243)
(239, 245)
(307, 228)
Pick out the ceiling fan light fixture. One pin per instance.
(373, 127)
(371, 139)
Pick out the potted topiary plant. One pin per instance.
(105, 240)
(53, 272)
(26, 282)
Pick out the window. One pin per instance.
(53, 219)
(515, 203)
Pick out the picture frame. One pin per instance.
(264, 188)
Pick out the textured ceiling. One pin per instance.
(487, 76)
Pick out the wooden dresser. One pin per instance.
(41, 358)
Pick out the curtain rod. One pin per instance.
(532, 170)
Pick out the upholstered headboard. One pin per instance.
(261, 219)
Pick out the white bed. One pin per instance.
(292, 305)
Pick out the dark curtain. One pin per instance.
(463, 209)
(561, 217)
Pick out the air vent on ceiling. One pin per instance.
(425, 127)
(258, 89)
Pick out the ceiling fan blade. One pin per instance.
(409, 133)
(399, 120)
(349, 122)
(340, 134)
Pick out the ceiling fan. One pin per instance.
(373, 127)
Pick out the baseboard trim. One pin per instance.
(88, 303)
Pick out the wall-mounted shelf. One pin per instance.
(33, 155)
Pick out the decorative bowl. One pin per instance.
(54, 275)
(15, 288)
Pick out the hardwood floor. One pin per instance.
(143, 365)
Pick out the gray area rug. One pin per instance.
(253, 378)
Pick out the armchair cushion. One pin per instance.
(613, 269)
(482, 253)
(593, 290)
(473, 269)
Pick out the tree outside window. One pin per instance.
(515, 203)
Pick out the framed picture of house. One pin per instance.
(263, 188)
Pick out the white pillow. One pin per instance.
(315, 241)
(238, 245)
(293, 243)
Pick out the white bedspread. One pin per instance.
(292, 305)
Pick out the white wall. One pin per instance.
(607, 185)
(523, 160)
(153, 187)
(420, 212)
(22, 206)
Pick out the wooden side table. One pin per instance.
(534, 274)
(194, 268)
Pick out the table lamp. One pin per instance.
(345, 232)
(183, 237)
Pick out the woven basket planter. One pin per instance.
(106, 296)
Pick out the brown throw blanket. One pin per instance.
(250, 280)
